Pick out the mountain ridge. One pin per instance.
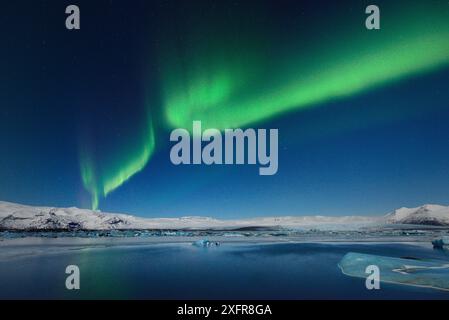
(428, 214)
(23, 217)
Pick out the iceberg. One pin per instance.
(441, 243)
(406, 271)
(206, 243)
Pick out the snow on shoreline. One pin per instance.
(21, 217)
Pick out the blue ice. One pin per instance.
(414, 272)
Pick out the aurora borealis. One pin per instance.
(101, 183)
(359, 112)
(227, 93)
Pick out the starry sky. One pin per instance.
(86, 115)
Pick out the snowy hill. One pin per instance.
(429, 214)
(21, 217)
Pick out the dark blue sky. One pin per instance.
(365, 154)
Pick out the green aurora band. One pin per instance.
(233, 72)
(224, 91)
(100, 183)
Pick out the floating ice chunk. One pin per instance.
(407, 271)
(206, 243)
(441, 243)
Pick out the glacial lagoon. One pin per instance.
(173, 268)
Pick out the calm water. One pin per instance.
(231, 271)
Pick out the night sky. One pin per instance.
(363, 115)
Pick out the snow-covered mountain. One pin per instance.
(21, 217)
(429, 214)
